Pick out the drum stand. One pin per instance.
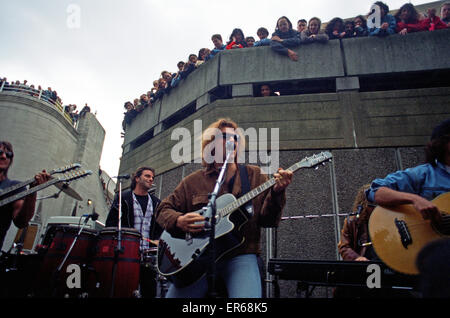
(56, 274)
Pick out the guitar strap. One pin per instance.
(245, 185)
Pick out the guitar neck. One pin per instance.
(15, 187)
(32, 190)
(8, 190)
(255, 192)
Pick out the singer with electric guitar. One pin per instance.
(239, 269)
(20, 211)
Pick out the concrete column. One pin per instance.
(203, 100)
(158, 129)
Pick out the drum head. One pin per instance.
(115, 230)
(74, 229)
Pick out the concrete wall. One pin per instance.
(43, 139)
(347, 119)
(341, 60)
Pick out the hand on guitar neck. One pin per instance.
(41, 178)
(23, 210)
(283, 178)
(388, 197)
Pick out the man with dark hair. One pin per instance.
(302, 25)
(263, 34)
(218, 45)
(139, 212)
(21, 211)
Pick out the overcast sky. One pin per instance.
(119, 47)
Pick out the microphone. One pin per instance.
(230, 145)
(123, 176)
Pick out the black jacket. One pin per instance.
(127, 219)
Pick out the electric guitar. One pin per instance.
(8, 190)
(184, 260)
(66, 177)
(399, 233)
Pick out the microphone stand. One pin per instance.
(212, 208)
(119, 249)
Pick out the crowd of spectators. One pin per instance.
(285, 38)
(47, 95)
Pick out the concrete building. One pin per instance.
(44, 137)
(372, 102)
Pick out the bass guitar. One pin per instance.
(185, 260)
(399, 233)
(66, 177)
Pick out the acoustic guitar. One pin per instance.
(399, 233)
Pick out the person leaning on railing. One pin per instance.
(388, 23)
(313, 33)
(285, 38)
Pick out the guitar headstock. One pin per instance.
(77, 174)
(316, 159)
(66, 168)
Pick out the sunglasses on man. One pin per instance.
(226, 136)
(8, 154)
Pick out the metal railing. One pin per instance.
(39, 94)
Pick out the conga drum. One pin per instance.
(50, 281)
(124, 265)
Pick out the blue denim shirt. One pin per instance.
(215, 51)
(390, 30)
(263, 42)
(424, 180)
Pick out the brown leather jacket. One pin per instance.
(353, 235)
(192, 194)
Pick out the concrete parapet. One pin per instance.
(396, 53)
(261, 64)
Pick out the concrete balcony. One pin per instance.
(351, 93)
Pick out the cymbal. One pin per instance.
(64, 187)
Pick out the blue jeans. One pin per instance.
(241, 276)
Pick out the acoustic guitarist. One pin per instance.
(421, 184)
(21, 211)
(239, 268)
(418, 186)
